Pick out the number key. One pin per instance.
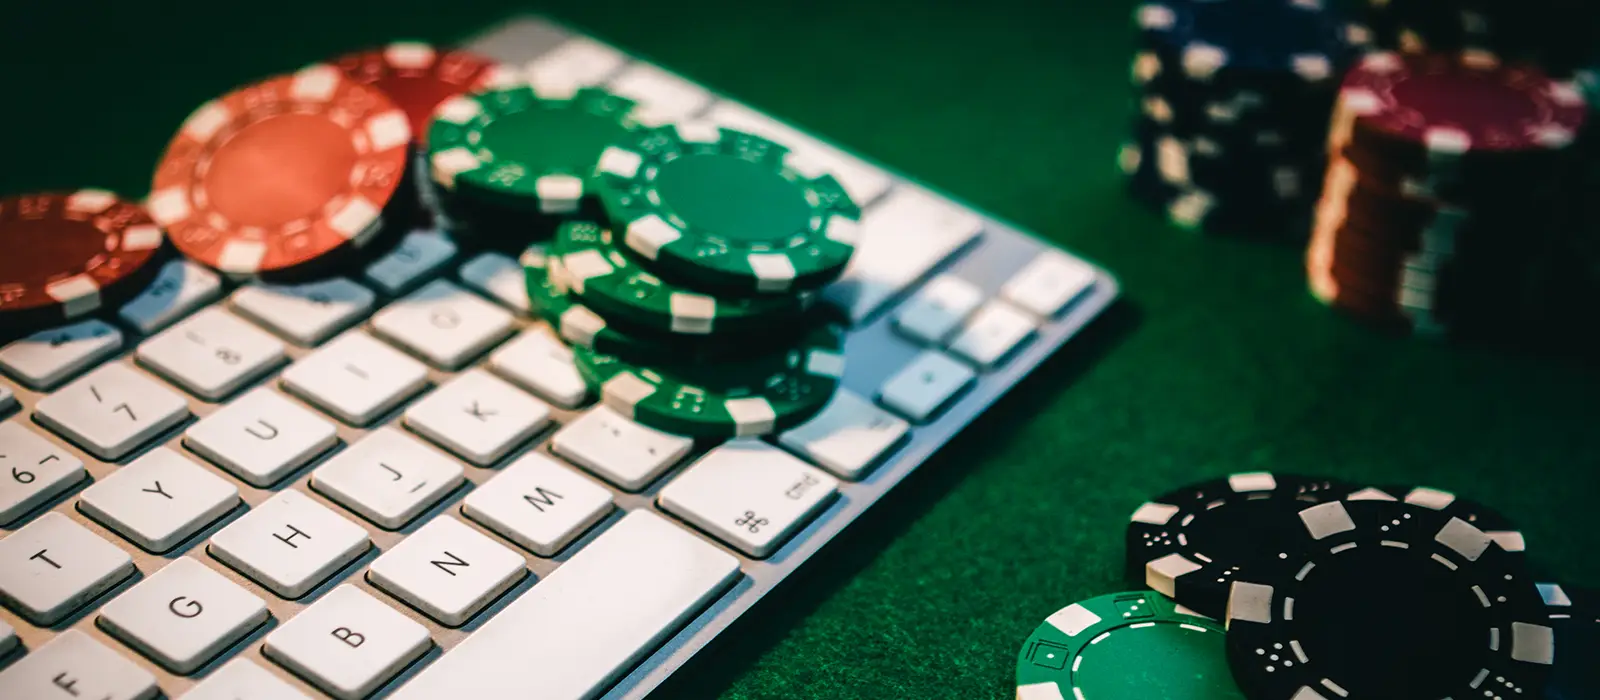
(49, 357)
(32, 470)
(211, 353)
(111, 411)
(179, 288)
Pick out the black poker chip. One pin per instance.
(1193, 542)
(1387, 600)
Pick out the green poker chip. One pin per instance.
(768, 392)
(578, 325)
(611, 283)
(726, 210)
(512, 149)
(1126, 645)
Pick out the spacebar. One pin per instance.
(589, 621)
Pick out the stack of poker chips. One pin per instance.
(1443, 208)
(1233, 102)
(1369, 583)
(681, 262)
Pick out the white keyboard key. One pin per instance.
(179, 288)
(443, 324)
(1046, 285)
(387, 477)
(33, 470)
(991, 334)
(74, 665)
(8, 639)
(306, 314)
(925, 385)
(938, 309)
(621, 451)
(864, 182)
(578, 63)
(447, 570)
(159, 499)
(52, 566)
(261, 436)
(348, 643)
(356, 378)
(49, 357)
(289, 543)
(8, 399)
(902, 238)
(243, 679)
(538, 503)
(419, 255)
(661, 97)
(500, 277)
(540, 363)
(588, 622)
(749, 494)
(211, 353)
(183, 615)
(849, 436)
(478, 416)
(111, 411)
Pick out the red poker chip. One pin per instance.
(1457, 103)
(418, 77)
(278, 174)
(69, 254)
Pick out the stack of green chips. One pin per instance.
(508, 166)
(682, 263)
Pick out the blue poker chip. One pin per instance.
(1308, 41)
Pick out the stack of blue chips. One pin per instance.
(1233, 102)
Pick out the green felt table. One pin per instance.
(1217, 361)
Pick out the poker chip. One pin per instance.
(1233, 105)
(1574, 614)
(1191, 543)
(511, 158)
(1479, 515)
(1446, 122)
(67, 254)
(418, 77)
(762, 393)
(1441, 209)
(578, 325)
(282, 174)
(726, 210)
(1125, 645)
(1385, 599)
(611, 283)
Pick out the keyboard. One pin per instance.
(259, 492)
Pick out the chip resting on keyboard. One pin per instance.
(272, 177)
(727, 210)
(69, 254)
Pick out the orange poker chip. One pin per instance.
(418, 77)
(280, 173)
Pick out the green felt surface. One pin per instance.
(1218, 361)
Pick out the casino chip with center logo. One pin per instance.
(727, 211)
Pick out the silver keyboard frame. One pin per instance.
(874, 352)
